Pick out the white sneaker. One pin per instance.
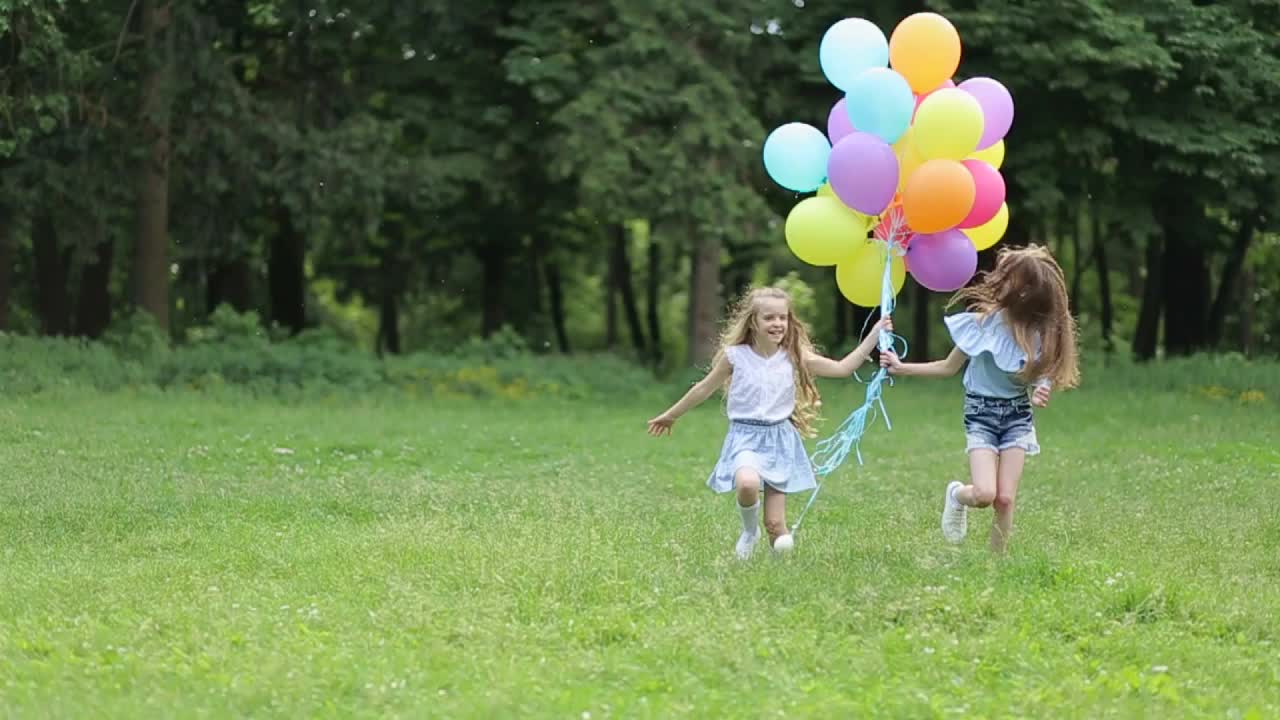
(954, 516)
(746, 544)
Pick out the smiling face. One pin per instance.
(771, 321)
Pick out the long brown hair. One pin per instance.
(740, 329)
(1027, 284)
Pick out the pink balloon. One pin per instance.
(839, 125)
(920, 98)
(990, 194)
(863, 172)
(943, 261)
(997, 108)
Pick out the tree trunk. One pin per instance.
(1018, 235)
(93, 313)
(704, 298)
(537, 253)
(1248, 308)
(1020, 232)
(1133, 274)
(921, 322)
(611, 298)
(986, 261)
(493, 263)
(286, 275)
(630, 308)
(555, 290)
(536, 326)
(8, 249)
(1230, 271)
(1186, 286)
(1104, 286)
(151, 250)
(654, 291)
(389, 323)
(229, 282)
(52, 300)
(739, 281)
(841, 315)
(1077, 275)
(1146, 335)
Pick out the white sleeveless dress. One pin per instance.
(762, 397)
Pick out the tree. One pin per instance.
(1106, 91)
(650, 112)
(151, 248)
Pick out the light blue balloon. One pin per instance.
(880, 102)
(795, 156)
(850, 47)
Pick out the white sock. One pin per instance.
(952, 495)
(751, 518)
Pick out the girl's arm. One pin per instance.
(843, 368)
(697, 394)
(939, 368)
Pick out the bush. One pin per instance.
(234, 351)
(1222, 376)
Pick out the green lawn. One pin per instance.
(190, 556)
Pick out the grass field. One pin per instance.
(197, 557)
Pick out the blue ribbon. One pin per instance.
(834, 450)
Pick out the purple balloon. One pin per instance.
(943, 261)
(997, 108)
(839, 125)
(863, 172)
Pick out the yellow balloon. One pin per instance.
(993, 156)
(821, 231)
(902, 144)
(908, 158)
(859, 277)
(984, 236)
(948, 125)
(824, 190)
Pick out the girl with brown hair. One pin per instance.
(1019, 340)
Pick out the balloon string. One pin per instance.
(834, 450)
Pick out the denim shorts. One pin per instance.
(999, 424)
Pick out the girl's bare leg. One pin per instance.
(983, 468)
(1007, 479)
(775, 513)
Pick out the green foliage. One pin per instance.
(803, 300)
(651, 116)
(442, 159)
(234, 353)
(136, 337)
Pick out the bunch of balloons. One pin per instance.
(908, 153)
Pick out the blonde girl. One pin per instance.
(768, 365)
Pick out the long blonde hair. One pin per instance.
(1028, 285)
(740, 329)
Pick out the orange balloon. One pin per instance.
(939, 196)
(925, 49)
